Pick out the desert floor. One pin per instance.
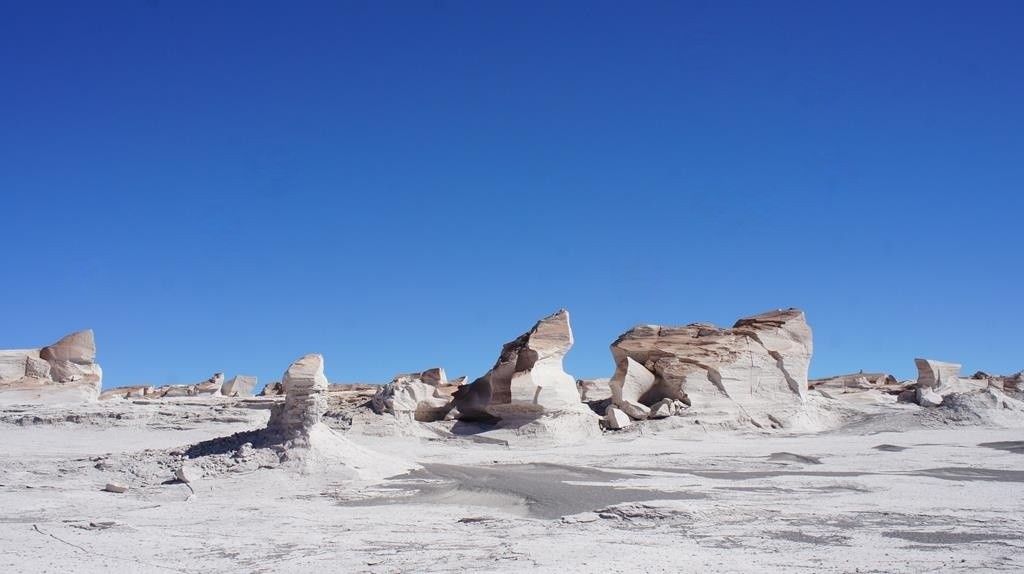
(878, 496)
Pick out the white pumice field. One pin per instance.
(708, 450)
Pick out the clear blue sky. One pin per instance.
(225, 186)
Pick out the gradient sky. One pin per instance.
(225, 186)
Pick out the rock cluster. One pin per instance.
(422, 396)
(215, 386)
(65, 371)
(858, 381)
(528, 376)
(757, 365)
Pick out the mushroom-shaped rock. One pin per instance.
(239, 386)
(528, 375)
(761, 363)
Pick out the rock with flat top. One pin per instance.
(939, 376)
(305, 397)
(745, 372)
(528, 376)
(116, 487)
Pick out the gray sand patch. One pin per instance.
(946, 538)
(791, 457)
(890, 448)
(1016, 446)
(971, 473)
(797, 536)
(540, 490)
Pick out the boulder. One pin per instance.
(937, 375)
(422, 396)
(758, 365)
(616, 419)
(630, 386)
(305, 397)
(239, 386)
(666, 408)
(927, 397)
(79, 347)
(528, 375)
(116, 487)
(62, 372)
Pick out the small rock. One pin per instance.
(581, 518)
(927, 397)
(115, 487)
(615, 419)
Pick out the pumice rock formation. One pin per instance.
(305, 442)
(528, 376)
(65, 371)
(305, 398)
(239, 386)
(758, 365)
(423, 397)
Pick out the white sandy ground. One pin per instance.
(675, 500)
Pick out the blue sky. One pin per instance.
(225, 186)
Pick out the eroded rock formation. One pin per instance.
(527, 377)
(305, 398)
(422, 396)
(65, 371)
(759, 364)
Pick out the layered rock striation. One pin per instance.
(528, 376)
(759, 364)
(423, 397)
(65, 371)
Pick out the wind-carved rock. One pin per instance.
(303, 441)
(305, 398)
(937, 380)
(421, 397)
(65, 371)
(528, 376)
(757, 365)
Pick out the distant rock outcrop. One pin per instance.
(65, 371)
(528, 376)
(759, 364)
(239, 386)
(860, 381)
(422, 396)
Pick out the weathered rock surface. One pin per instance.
(937, 375)
(209, 387)
(305, 397)
(630, 386)
(422, 396)
(62, 372)
(133, 392)
(759, 364)
(527, 377)
(616, 419)
(274, 389)
(239, 386)
(594, 389)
